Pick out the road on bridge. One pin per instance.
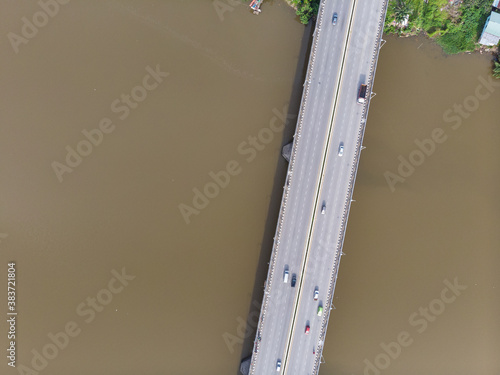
(308, 243)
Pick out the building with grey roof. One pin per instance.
(491, 31)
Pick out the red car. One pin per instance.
(307, 329)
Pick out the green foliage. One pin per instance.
(389, 29)
(400, 9)
(463, 36)
(422, 15)
(433, 17)
(416, 19)
(306, 9)
(456, 28)
(455, 42)
(496, 70)
(436, 33)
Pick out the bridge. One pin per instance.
(318, 190)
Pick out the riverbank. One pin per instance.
(305, 9)
(455, 26)
(493, 50)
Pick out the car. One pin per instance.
(294, 280)
(334, 19)
(323, 208)
(341, 149)
(285, 276)
(320, 310)
(316, 294)
(278, 365)
(307, 329)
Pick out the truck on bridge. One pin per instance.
(363, 89)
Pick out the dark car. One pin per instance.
(334, 20)
(294, 279)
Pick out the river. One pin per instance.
(116, 114)
(406, 241)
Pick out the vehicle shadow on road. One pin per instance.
(277, 193)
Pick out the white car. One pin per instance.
(316, 294)
(285, 276)
(341, 149)
(278, 365)
(323, 208)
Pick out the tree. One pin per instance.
(401, 9)
(496, 70)
(306, 9)
(304, 13)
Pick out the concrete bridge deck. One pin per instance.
(308, 243)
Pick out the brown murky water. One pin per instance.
(441, 223)
(178, 306)
(118, 207)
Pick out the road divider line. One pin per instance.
(319, 184)
(348, 200)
